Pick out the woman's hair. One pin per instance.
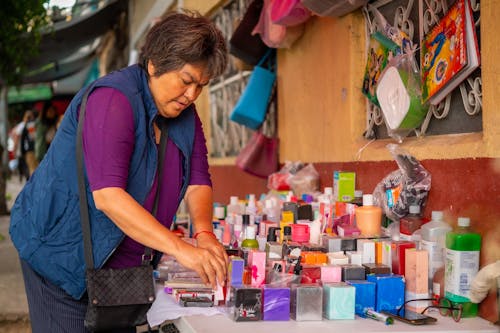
(184, 38)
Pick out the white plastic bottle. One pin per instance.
(272, 211)
(251, 207)
(433, 241)
(234, 207)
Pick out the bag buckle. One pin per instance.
(146, 258)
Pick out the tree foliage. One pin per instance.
(21, 22)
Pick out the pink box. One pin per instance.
(416, 271)
(346, 229)
(331, 273)
(257, 265)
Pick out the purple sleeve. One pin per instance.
(199, 160)
(108, 138)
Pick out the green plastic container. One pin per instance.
(462, 264)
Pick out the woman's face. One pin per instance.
(174, 91)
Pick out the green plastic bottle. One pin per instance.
(462, 264)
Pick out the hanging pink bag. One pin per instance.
(275, 35)
(289, 12)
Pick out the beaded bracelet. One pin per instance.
(204, 231)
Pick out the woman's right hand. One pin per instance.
(210, 267)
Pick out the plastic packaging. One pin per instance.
(410, 185)
(306, 180)
(279, 180)
(276, 35)
(396, 35)
(462, 264)
(333, 8)
(289, 12)
(399, 94)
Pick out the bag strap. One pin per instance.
(264, 58)
(162, 124)
(84, 213)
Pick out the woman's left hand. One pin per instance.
(209, 242)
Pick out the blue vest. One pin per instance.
(45, 222)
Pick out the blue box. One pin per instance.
(235, 271)
(365, 295)
(390, 291)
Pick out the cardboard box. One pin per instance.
(344, 184)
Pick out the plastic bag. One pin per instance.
(410, 185)
(399, 94)
(278, 181)
(305, 181)
(397, 36)
(276, 35)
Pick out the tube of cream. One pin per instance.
(369, 313)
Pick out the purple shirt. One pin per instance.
(110, 122)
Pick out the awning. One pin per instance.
(29, 93)
(65, 38)
(62, 68)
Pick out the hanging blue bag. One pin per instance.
(251, 108)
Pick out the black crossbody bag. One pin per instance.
(118, 298)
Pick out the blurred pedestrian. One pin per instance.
(46, 126)
(23, 135)
(28, 138)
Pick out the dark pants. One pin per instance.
(52, 310)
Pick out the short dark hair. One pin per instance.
(184, 38)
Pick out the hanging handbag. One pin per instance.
(259, 157)
(243, 44)
(118, 298)
(251, 108)
(289, 12)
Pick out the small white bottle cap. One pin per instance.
(367, 199)
(437, 215)
(463, 222)
(358, 194)
(233, 200)
(414, 209)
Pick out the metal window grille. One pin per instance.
(460, 111)
(228, 137)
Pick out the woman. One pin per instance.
(120, 141)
